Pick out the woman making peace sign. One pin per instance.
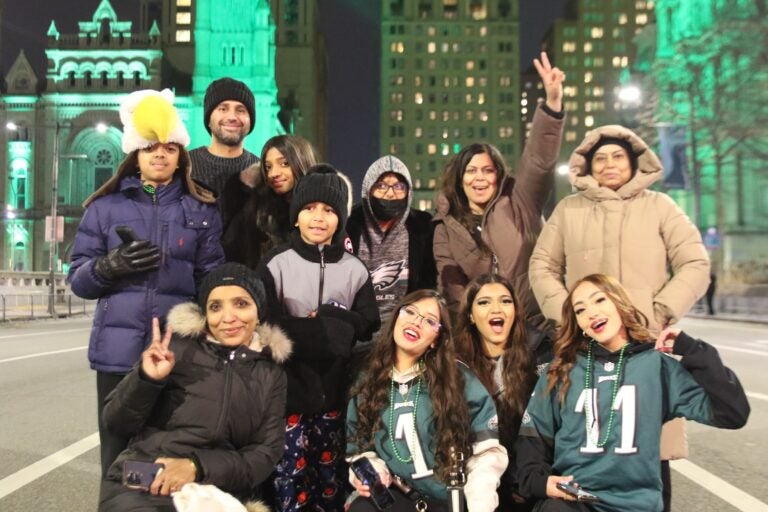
(206, 402)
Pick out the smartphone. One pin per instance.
(139, 474)
(366, 473)
(576, 491)
(126, 234)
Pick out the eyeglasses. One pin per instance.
(410, 314)
(397, 188)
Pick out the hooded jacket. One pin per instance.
(422, 272)
(187, 231)
(222, 407)
(632, 234)
(510, 224)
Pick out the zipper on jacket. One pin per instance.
(152, 288)
(227, 390)
(322, 278)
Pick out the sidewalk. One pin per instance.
(734, 308)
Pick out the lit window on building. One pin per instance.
(417, 132)
(445, 133)
(587, 47)
(470, 65)
(589, 121)
(433, 115)
(571, 106)
(446, 115)
(587, 77)
(431, 47)
(624, 61)
(432, 149)
(417, 80)
(469, 81)
(640, 4)
(431, 30)
(483, 116)
(616, 61)
(596, 32)
(432, 183)
(481, 98)
(570, 91)
(483, 81)
(622, 19)
(598, 92)
(183, 36)
(445, 149)
(570, 136)
(569, 47)
(183, 3)
(483, 31)
(468, 99)
(419, 98)
(505, 81)
(478, 9)
(455, 47)
(183, 18)
(444, 48)
(469, 115)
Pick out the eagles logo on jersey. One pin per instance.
(387, 274)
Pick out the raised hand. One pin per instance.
(553, 79)
(174, 476)
(157, 361)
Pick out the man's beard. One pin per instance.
(228, 139)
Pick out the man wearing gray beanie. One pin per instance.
(225, 166)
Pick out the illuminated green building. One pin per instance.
(711, 76)
(88, 73)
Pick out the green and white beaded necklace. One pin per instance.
(614, 390)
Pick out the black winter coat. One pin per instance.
(221, 407)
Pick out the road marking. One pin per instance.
(759, 396)
(719, 487)
(28, 334)
(40, 468)
(41, 354)
(744, 350)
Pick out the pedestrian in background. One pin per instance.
(487, 220)
(505, 354)
(146, 239)
(264, 223)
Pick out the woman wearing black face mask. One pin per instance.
(391, 238)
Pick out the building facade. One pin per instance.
(449, 77)
(62, 138)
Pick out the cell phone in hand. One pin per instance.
(576, 491)
(126, 234)
(139, 474)
(367, 474)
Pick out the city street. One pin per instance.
(49, 445)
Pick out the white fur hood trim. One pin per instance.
(187, 320)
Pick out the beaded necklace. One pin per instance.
(392, 413)
(614, 390)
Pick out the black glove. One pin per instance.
(129, 258)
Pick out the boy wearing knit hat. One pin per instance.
(325, 302)
(229, 116)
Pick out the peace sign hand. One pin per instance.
(157, 361)
(552, 78)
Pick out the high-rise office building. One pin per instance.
(449, 76)
(593, 44)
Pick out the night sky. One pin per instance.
(352, 32)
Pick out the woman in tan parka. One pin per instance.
(614, 225)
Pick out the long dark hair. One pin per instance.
(453, 185)
(519, 376)
(296, 150)
(445, 385)
(130, 167)
(571, 339)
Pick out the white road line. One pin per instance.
(759, 396)
(41, 354)
(763, 353)
(720, 488)
(28, 334)
(40, 468)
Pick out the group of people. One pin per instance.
(479, 349)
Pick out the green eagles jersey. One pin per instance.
(625, 472)
(419, 443)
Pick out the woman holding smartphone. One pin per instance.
(206, 402)
(415, 406)
(595, 416)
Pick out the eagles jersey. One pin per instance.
(624, 472)
(419, 444)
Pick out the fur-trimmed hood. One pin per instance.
(188, 320)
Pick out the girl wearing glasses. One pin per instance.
(504, 353)
(415, 404)
(488, 221)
